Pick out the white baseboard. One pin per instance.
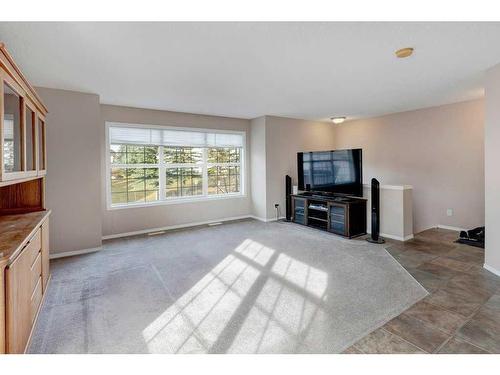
(397, 238)
(188, 225)
(448, 227)
(408, 237)
(265, 220)
(423, 230)
(393, 237)
(491, 269)
(179, 226)
(65, 254)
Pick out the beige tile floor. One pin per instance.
(461, 313)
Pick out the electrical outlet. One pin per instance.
(449, 212)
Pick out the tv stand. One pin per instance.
(342, 215)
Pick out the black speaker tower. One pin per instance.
(375, 238)
(288, 191)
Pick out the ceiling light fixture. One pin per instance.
(404, 52)
(338, 120)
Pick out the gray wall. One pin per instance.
(142, 218)
(258, 166)
(396, 211)
(73, 190)
(284, 138)
(275, 142)
(439, 151)
(492, 174)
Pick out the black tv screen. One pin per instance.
(338, 171)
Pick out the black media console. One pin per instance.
(345, 216)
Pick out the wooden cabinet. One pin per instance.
(23, 138)
(22, 125)
(345, 216)
(25, 273)
(19, 302)
(2, 307)
(24, 225)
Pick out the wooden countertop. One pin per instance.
(16, 230)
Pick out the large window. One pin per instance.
(155, 165)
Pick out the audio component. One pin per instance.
(288, 191)
(375, 213)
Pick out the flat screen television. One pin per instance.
(334, 172)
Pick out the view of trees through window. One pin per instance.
(8, 144)
(11, 148)
(152, 173)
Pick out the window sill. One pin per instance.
(176, 201)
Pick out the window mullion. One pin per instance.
(205, 172)
(162, 174)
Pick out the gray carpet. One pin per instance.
(242, 287)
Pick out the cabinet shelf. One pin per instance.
(317, 218)
(316, 208)
(318, 225)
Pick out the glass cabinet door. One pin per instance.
(299, 207)
(30, 136)
(337, 219)
(12, 131)
(42, 161)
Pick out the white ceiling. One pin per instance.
(301, 70)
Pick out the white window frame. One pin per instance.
(162, 166)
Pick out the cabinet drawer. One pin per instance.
(35, 271)
(33, 247)
(36, 298)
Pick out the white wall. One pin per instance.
(439, 151)
(492, 170)
(73, 189)
(126, 220)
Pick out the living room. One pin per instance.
(250, 188)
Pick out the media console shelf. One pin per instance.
(345, 216)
